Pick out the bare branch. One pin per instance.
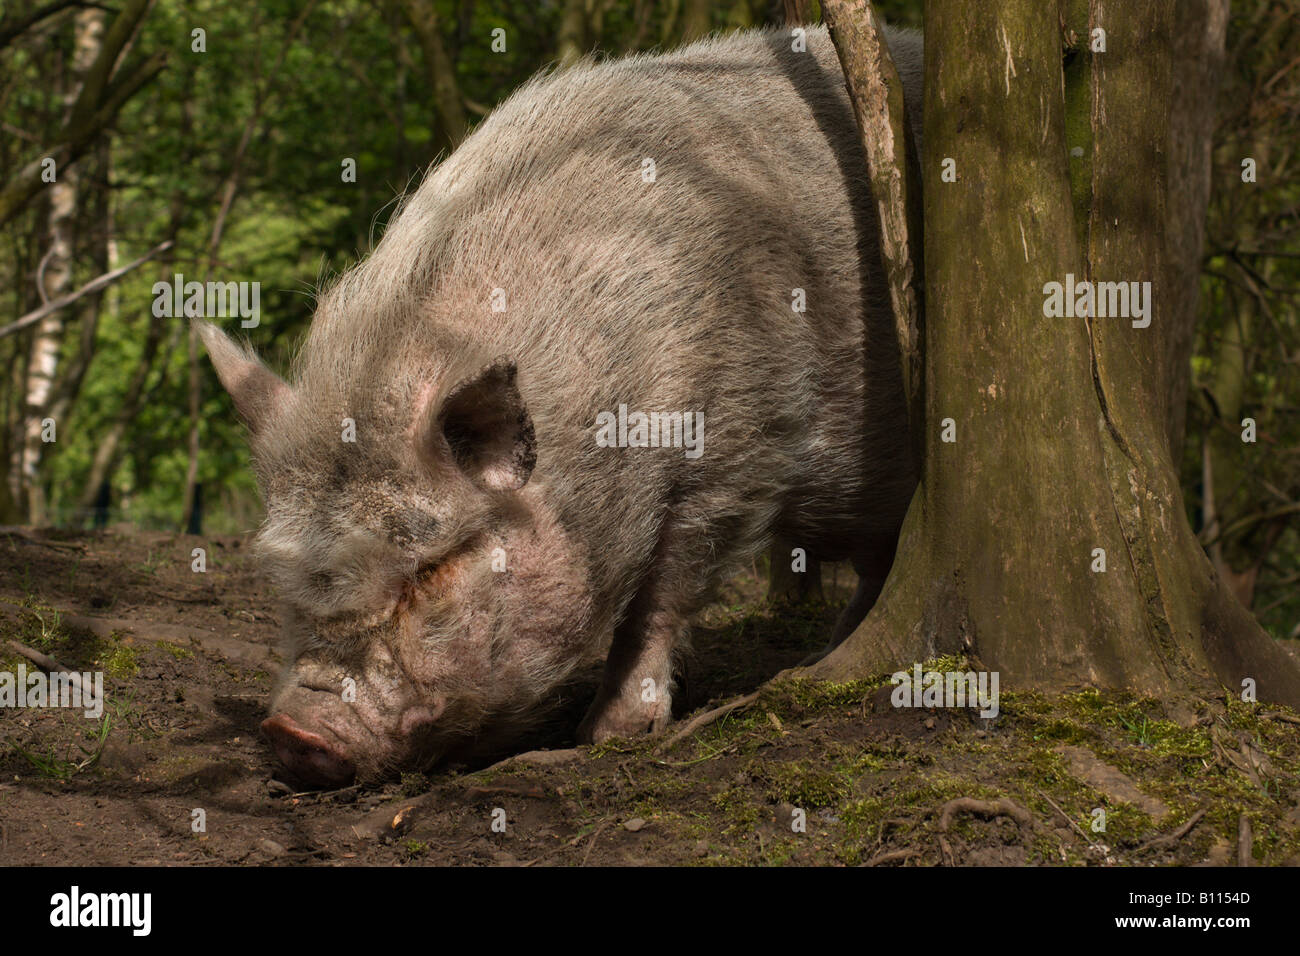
(94, 285)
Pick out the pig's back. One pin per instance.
(676, 294)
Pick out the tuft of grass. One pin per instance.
(61, 767)
(175, 650)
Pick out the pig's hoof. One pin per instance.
(614, 720)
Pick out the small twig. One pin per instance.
(321, 793)
(1245, 841)
(1178, 834)
(708, 717)
(40, 276)
(595, 833)
(679, 764)
(1066, 817)
(1284, 718)
(891, 857)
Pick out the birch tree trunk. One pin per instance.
(55, 278)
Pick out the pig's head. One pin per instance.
(433, 601)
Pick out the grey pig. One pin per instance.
(464, 503)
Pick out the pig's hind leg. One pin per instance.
(872, 567)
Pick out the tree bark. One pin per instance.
(572, 38)
(1064, 427)
(440, 70)
(54, 278)
(695, 20)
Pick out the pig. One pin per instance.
(465, 501)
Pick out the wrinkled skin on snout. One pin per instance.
(432, 602)
(437, 659)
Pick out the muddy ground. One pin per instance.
(176, 771)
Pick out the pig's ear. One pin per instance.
(488, 429)
(257, 391)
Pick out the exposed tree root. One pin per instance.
(1003, 806)
(1177, 835)
(706, 718)
(892, 856)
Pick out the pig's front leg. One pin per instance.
(635, 695)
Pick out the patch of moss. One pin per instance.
(119, 660)
(414, 849)
(799, 696)
(175, 650)
(804, 785)
(737, 805)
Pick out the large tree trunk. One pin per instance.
(1065, 427)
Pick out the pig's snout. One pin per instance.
(309, 755)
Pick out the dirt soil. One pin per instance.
(176, 771)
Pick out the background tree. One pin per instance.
(1246, 361)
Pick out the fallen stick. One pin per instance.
(48, 663)
(1066, 818)
(586, 856)
(1245, 841)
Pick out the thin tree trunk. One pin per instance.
(423, 17)
(229, 190)
(55, 279)
(696, 21)
(571, 42)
